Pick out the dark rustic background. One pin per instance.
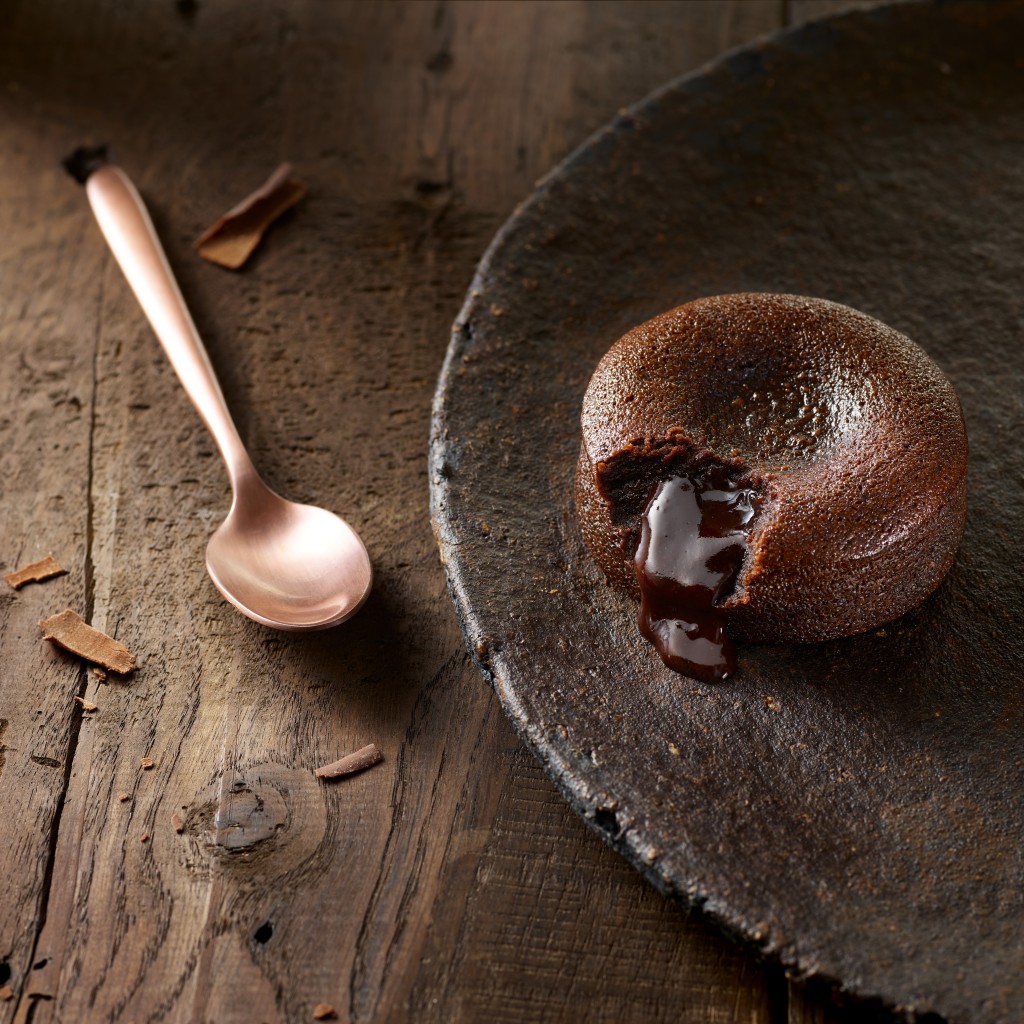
(450, 883)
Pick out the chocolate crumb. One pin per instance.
(364, 758)
(324, 1011)
(69, 630)
(45, 569)
(6, 993)
(87, 705)
(146, 763)
(99, 673)
(144, 838)
(177, 824)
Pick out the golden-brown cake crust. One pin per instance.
(852, 436)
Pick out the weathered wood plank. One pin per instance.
(50, 285)
(449, 882)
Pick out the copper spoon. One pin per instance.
(286, 565)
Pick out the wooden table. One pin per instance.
(450, 883)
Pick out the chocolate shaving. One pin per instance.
(68, 630)
(351, 763)
(324, 1011)
(230, 240)
(45, 569)
(87, 705)
(145, 763)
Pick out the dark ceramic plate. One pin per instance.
(853, 808)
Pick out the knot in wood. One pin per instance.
(247, 816)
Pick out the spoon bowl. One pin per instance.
(285, 565)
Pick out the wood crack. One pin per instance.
(90, 515)
(360, 960)
(75, 726)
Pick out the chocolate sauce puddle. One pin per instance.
(692, 540)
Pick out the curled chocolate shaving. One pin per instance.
(45, 569)
(67, 629)
(351, 763)
(231, 239)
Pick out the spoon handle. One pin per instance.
(129, 232)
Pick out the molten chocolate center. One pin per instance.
(691, 548)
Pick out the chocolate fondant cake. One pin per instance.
(769, 467)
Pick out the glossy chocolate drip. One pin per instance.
(691, 548)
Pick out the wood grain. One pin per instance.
(799, 11)
(47, 397)
(451, 882)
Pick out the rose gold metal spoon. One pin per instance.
(286, 565)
